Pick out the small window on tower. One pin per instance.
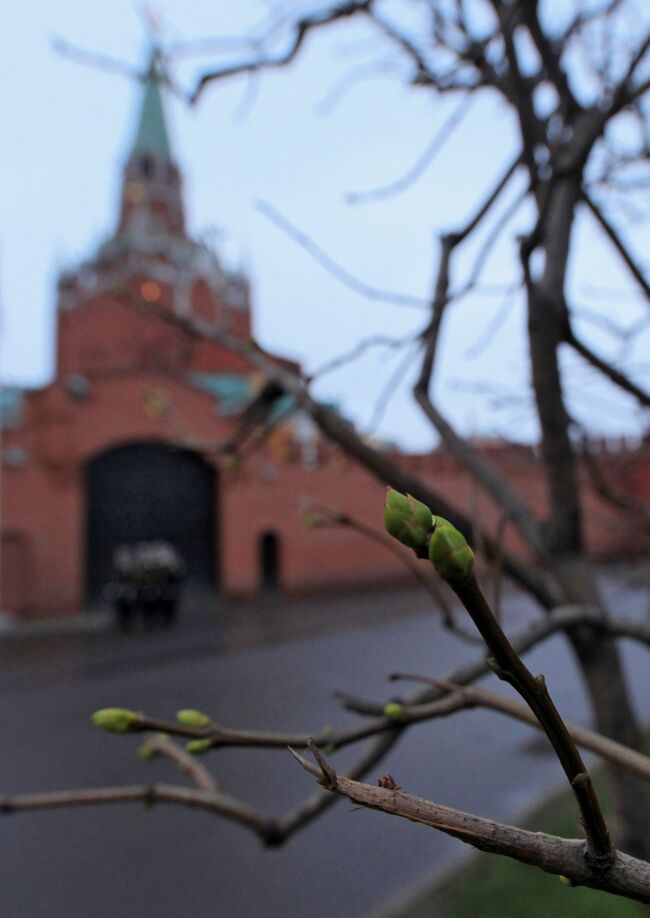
(146, 166)
(150, 291)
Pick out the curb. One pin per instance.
(14, 629)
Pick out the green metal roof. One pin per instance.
(11, 406)
(231, 391)
(151, 136)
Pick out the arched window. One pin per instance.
(269, 561)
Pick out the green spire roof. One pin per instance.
(151, 136)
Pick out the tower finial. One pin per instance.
(153, 22)
(151, 136)
(151, 199)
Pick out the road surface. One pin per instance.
(267, 666)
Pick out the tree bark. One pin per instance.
(602, 670)
(598, 657)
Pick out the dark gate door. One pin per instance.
(143, 492)
(269, 561)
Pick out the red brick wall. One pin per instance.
(43, 501)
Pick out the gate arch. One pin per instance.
(145, 491)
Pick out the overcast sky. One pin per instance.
(294, 140)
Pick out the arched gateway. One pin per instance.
(143, 492)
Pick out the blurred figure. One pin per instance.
(146, 582)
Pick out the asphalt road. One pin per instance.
(271, 666)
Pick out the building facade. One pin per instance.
(122, 445)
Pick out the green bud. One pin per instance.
(145, 752)
(198, 746)
(407, 519)
(449, 552)
(312, 520)
(394, 710)
(116, 720)
(191, 718)
(230, 463)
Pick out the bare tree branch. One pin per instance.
(160, 744)
(472, 696)
(607, 369)
(93, 59)
(509, 667)
(262, 61)
(494, 324)
(636, 508)
(218, 803)
(343, 433)
(618, 244)
(333, 267)
(626, 876)
(357, 351)
(320, 514)
(421, 164)
(484, 473)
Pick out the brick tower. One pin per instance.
(120, 446)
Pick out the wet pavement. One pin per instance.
(268, 665)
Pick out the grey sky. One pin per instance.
(289, 144)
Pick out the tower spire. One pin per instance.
(151, 134)
(151, 194)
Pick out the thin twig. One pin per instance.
(262, 61)
(470, 696)
(358, 350)
(421, 164)
(341, 432)
(615, 238)
(320, 514)
(161, 744)
(149, 794)
(333, 267)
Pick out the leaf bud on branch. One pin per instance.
(449, 552)
(188, 717)
(412, 523)
(394, 711)
(117, 720)
(407, 519)
(198, 746)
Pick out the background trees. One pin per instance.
(576, 83)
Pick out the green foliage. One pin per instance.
(499, 886)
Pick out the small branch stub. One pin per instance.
(328, 775)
